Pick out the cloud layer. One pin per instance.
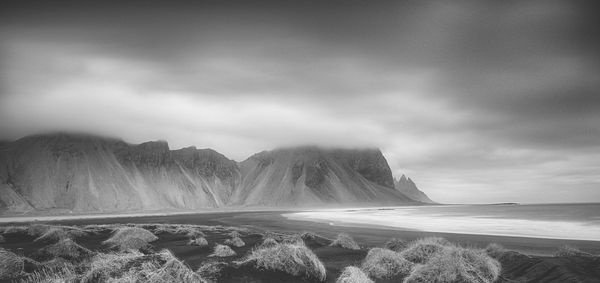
(478, 101)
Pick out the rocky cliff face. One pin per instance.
(313, 176)
(81, 173)
(407, 187)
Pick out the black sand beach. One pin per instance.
(531, 260)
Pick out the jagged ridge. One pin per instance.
(88, 173)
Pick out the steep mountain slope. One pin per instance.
(408, 188)
(313, 176)
(82, 173)
(86, 173)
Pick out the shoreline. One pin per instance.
(294, 216)
(275, 220)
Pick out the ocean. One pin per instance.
(579, 221)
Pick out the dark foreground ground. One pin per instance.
(529, 260)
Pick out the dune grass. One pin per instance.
(56, 233)
(293, 259)
(13, 229)
(421, 250)
(11, 265)
(106, 266)
(173, 270)
(68, 249)
(567, 250)
(396, 244)
(235, 242)
(345, 241)
(211, 270)
(62, 274)
(353, 274)
(495, 250)
(457, 264)
(384, 263)
(130, 238)
(268, 242)
(199, 241)
(308, 236)
(222, 251)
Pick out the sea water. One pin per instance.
(554, 221)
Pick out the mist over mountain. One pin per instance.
(84, 173)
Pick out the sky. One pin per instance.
(476, 101)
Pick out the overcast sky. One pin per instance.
(477, 101)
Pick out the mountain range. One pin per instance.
(85, 173)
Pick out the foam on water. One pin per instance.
(417, 218)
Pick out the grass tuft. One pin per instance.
(63, 274)
(457, 264)
(353, 274)
(211, 270)
(173, 270)
(222, 251)
(234, 234)
(396, 244)
(68, 249)
(235, 242)
(384, 263)
(421, 250)
(567, 250)
(130, 238)
(57, 233)
(296, 260)
(200, 241)
(268, 242)
(495, 250)
(345, 241)
(13, 229)
(11, 265)
(106, 266)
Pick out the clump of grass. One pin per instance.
(173, 270)
(268, 242)
(396, 244)
(57, 233)
(567, 250)
(67, 249)
(131, 238)
(384, 263)
(296, 260)
(37, 229)
(211, 270)
(457, 264)
(106, 266)
(421, 250)
(345, 241)
(200, 241)
(234, 234)
(13, 229)
(192, 231)
(308, 236)
(11, 265)
(222, 251)
(353, 274)
(495, 250)
(235, 242)
(64, 273)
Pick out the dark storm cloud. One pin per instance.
(454, 92)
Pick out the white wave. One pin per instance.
(408, 218)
